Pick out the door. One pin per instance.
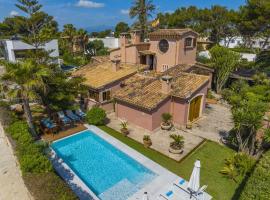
(195, 108)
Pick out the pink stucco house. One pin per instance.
(142, 80)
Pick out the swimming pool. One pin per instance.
(107, 171)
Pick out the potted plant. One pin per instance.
(166, 121)
(124, 129)
(176, 147)
(147, 141)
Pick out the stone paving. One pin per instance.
(216, 121)
(160, 138)
(11, 183)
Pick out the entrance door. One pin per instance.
(143, 60)
(195, 108)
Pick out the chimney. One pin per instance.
(123, 43)
(115, 65)
(135, 36)
(166, 84)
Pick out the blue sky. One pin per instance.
(93, 13)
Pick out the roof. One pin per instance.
(99, 75)
(171, 32)
(145, 92)
(101, 59)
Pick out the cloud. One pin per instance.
(13, 13)
(89, 4)
(125, 12)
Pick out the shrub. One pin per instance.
(257, 185)
(96, 116)
(30, 155)
(178, 141)
(237, 166)
(166, 118)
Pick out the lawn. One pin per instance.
(210, 154)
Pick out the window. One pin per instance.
(188, 42)
(94, 95)
(106, 96)
(163, 46)
(165, 67)
(233, 41)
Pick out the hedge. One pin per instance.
(258, 184)
(37, 170)
(96, 116)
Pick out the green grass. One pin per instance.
(210, 154)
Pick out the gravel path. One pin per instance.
(12, 186)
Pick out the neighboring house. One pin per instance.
(109, 42)
(238, 41)
(146, 79)
(14, 50)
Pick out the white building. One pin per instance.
(238, 41)
(109, 42)
(13, 50)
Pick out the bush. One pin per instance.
(96, 116)
(237, 166)
(30, 155)
(257, 186)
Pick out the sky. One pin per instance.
(98, 14)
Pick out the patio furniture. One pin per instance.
(72, 116)
(47, 125)
(80, 113)
(63, 118)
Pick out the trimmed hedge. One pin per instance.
(258, 184)
(37, 170)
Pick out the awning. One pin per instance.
(147, 52)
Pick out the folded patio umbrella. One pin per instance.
(194, 181)
(145, 196)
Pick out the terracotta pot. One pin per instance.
(175, 151)
(166, 126)
(147, 143)
(189, 126)
(125, 131)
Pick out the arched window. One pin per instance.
(163, 46)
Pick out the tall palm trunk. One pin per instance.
(28, 115)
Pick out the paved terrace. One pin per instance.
(160, 138)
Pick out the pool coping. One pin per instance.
(163, 176)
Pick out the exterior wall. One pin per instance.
(131, 55)
(238, 41)
(187, 55)
(134, 115)
(109, 42)
(179, 111)
(156, 115)
(168, 58)
(115, 54)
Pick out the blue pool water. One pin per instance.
(107, 171)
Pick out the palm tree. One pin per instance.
(27, 77)
(69, 32)
(142, 9)
(82, 37)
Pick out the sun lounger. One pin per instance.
(65, 120)
(80, 113)
(72, 116)
(48, 125)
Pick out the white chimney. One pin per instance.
(166, 86)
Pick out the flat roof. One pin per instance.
(145, 92)
(99, 75)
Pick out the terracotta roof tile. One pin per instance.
(145, 92)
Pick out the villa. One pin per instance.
(147, 79)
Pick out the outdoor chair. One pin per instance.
(47, 125)
(72, 116)
(80, 113)
(63, 118)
